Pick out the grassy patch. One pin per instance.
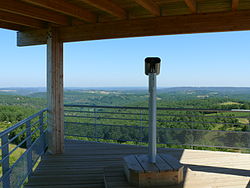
(14, 156)
(243, 120)
(230, 103)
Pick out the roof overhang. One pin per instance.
(81, 20)
(184, 24)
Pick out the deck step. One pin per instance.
(115, 177)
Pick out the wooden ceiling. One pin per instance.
(99, 19)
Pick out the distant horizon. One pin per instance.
(23, 87)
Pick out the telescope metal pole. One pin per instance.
(152, 118)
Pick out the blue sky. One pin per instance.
(214, 59)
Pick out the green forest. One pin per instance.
(17, 106)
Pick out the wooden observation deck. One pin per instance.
(83, 164)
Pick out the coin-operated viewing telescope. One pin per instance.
(152, 68)
(143, 170)
(152, 65)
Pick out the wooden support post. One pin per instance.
(55, 92)
(6, 161)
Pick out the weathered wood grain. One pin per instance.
(109, 7)
(55, 92)
(59, 13)
(144, 162)
(192, 5)
(12, 26)
(132, 163)
(66, 8)
(19, 8)
(171, 161)
(162, 165)
(150, 5)
(20, 20)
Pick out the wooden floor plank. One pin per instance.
(132, 163)
(162, 165)
(147, 167)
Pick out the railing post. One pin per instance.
(95, 124)
(6, 161)
(42, 137)
(192, 134)
(141, 127)
(28, 144)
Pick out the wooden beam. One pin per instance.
(109, 7)
(55, 92)
(14, 27)
(194, 23)
(235, 4)
(28, 10)
(20, 20)
(65, 7)
(191, 5)
(149, 5)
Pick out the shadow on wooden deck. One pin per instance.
(83, 163)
